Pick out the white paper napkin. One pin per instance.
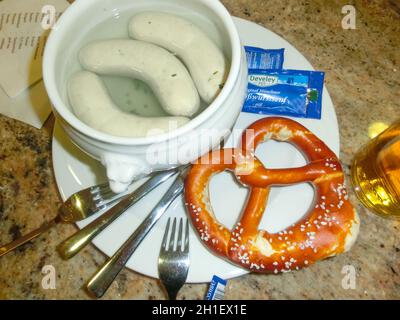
(32, 106)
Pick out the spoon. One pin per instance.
(77, 207)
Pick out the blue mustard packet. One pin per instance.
(216, 291)
(259, 58)
(295, 93)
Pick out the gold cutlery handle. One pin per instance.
(26, 238)
(71, 246)
(103, 278)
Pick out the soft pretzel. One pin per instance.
(329, 228)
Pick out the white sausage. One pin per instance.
(92, 104)
(205, 61)
(162, 71)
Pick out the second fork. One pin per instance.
(173, 262)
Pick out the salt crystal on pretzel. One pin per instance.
(329, 228)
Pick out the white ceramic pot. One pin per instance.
(128, 158)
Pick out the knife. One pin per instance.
(75, 243)
(103, 278)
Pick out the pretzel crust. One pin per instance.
(328, 229)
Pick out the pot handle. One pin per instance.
(122, 170)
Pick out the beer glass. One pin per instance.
(375, 173)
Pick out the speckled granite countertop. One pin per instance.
(362, 74)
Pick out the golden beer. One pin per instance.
(375, 173)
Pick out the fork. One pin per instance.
(77, 207)
(75, 243)
(173, 261)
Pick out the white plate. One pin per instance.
(74, 170)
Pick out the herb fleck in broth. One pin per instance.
(133, 95)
